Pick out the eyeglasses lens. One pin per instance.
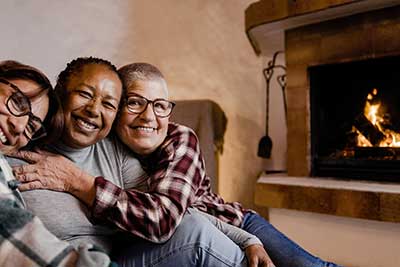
(162, 108)
(35, 129)
(18, 104)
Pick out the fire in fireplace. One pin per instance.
(355, 119)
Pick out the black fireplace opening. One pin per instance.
(355, 119)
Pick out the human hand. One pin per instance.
(54, 172)
(257, 256)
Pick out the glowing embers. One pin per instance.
(373, 128)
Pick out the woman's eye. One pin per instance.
(161, 105)
(109, 105)
(84, 94)
(134, 103)
(30, 128)
(158, 106)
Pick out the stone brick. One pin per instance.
(302, 47)
(297, 75)
(389, 205)
(297, 137)
(385, 37)
(297, 98)
(345, 42)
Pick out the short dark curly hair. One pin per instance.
(74, 67)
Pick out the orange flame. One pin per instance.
(373, 114)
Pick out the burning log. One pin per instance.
(377, 153)
(368, 130)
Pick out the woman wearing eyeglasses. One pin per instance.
(27, 105)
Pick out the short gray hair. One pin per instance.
(139, 71)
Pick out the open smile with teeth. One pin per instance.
(85, 125)
(3, 137)
(145, 129)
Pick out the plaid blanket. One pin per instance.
(24, 241)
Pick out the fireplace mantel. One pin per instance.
(266, 20)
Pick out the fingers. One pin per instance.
(253, 262)
(260, 262)
(267, 263)
(27, 177)
(258, 257)
(24, 169)
(31, 186)
(31, 181)
(29, 156)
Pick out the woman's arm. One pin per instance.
(255, 252)
(54, 172)
(242, 238)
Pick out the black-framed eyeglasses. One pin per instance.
(19, 105)
(138, 104)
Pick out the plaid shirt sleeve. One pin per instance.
(176, 172)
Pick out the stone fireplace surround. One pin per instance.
(368, 35)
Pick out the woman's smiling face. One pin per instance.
(12, 128)
(144, 132)
(91, 104)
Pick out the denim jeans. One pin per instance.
(196, 242)
(283, 251)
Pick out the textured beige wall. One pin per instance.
(200, 46)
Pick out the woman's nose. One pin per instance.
(17, 125)
(148, 113)
(93, 107)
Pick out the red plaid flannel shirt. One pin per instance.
(177, 180)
